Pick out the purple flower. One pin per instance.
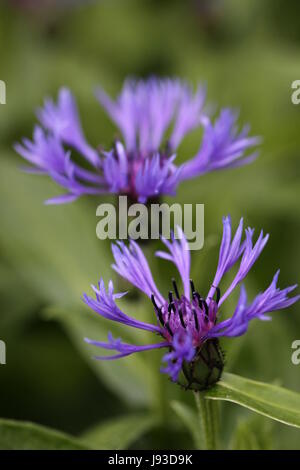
(142, 165)
(188, 322)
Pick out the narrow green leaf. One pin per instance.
(119, 433)
(254, 433)
(275, 402)
(20, 435)
(189, 418)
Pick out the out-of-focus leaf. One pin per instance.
(55, 247)
(269, 400)
(20, 435)
(119, 433)
(189, 418)
(15, 309)
(131, 378)
(254, 433)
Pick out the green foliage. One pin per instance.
(17, 435)
(57, 250)
(269, 400)
(119, 433)
(189, 419)
(130, 378)
(254, 433)
(50, 255)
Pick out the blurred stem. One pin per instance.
(208, 412)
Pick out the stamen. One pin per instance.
(196, 320)
(202, 303)
(197, 296)
(171, 304)
(181, 317)
(158, 310)
(205, 307)
(192, 286)
(218, 295)
(170, 308)
(154, 302)
(175, 288)
(167, 325)
(160, 317)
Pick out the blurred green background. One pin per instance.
(247, 53)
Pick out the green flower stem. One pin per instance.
(208, 411)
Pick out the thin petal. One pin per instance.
(179, 254)
(131, 264)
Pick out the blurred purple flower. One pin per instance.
(142, 166)
(187, 321)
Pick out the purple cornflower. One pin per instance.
(142, 164)
(189, 323)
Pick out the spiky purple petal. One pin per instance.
(123, 349)
(187, 324)
(153, 116)
(182, 350)
(104, 304)
(222, 147)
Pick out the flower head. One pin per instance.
(142, 164)
(189, 323)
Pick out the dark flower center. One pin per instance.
(136, 161)
(180, 314)
(194, 317)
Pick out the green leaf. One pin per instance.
(254, 433)
(15, 309)
(19, 435)
(275, 402)
(119, 433)
(189, 418)
(56, 249)
(131, 378)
